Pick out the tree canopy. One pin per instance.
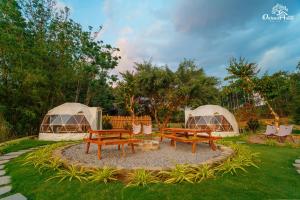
(46, 59)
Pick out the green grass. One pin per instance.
(21, 144)
(276, 178)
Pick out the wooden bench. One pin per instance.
(110, 141)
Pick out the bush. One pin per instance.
(70, 173)
(201, 172)
(106, 174)
(253, 125)
(243, 157)
(4, 129)
(141, 177)
(179, 174)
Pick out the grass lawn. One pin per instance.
(21, 144)
(276, 178)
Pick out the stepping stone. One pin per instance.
(297, 166)
(297, 161)
(298, 171)
(2, 172)
(5, 157)
(5, 189)
(2, 166)
(4, 180)
(3, 161)
(17, 196)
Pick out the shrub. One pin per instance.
(141, 177)
(242, 158)
(199, 173)
(70, 173)
(271, 142)
(42, 158)
(106, 174)
(253, 125)
(106, 122)
(4, 129)
(178, 174)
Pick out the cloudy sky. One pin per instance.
(208, 31)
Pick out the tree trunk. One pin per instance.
(131, 108)
(276, 116)
(88, 96)
(77, 91)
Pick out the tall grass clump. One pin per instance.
(105, 175)
(181, 173)
(141, 177)
(43, 159)
(243, 157)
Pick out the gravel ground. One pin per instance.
(164, 157)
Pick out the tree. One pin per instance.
(295, 91)
(127, 92)
(166, 91)
(46, 59)
(247, 74)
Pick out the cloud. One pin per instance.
(210, 32)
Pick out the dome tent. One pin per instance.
(70, 121)
(217, 118)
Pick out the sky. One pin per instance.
(207, 31)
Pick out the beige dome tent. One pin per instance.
(217, 118)
(70, 121)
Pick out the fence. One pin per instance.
(121, 121)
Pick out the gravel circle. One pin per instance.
(165, 157)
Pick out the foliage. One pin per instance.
(187, 86)
(275, 167)
(253, 125)
(277, 92)
(70, 173)
(46, 59)
(106, 174)
(242, 158)
(271, 142)
(141, 177)
(201, 172)
(42, 158)
(294, 104)
(4, 128)
(180, 173)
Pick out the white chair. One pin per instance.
(284, 132)
(271, 131)
(136, 129)
(147, 129)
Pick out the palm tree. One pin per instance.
(246, 73)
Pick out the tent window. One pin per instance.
(217, 123)
(65, 124)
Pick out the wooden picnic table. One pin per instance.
(189, 136)
(110, 137)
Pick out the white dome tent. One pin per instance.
(217, 118)
(70, 121)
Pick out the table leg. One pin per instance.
(118, 147)
(132, 148)
(123, 151)
(87, 147)
(99, 151)
(172, 142)
(194, 147)
(212, 145)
